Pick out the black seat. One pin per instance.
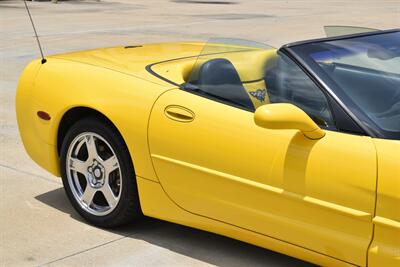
(218, 77)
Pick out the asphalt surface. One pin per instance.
(37, 224)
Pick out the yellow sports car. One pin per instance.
(294, 149)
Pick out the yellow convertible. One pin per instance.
(294, 149)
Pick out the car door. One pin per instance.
(212, 160)
(385, 248)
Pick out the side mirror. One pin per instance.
(287, 116)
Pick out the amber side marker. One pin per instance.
(44, 115)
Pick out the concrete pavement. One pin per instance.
(37, 224)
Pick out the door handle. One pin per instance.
(178, 113)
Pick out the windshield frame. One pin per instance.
(298, 51)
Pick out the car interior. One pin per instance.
(277, 80)
(234, 78)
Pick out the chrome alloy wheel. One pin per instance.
(94, 173)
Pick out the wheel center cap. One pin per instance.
(96, 174)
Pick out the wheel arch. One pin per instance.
(77, 113)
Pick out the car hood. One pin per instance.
(134, 59)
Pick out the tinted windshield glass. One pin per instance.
(366, 70)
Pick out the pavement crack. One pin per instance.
(83, 251)
(29, 173)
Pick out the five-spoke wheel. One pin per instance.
(93, 173)
(98, 174)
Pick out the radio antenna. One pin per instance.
(36, 35)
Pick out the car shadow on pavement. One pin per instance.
(203, 246)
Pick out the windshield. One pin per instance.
(365, 70)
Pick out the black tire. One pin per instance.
(128, 208)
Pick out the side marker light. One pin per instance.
(44, 115)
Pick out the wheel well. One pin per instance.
(75, 114)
